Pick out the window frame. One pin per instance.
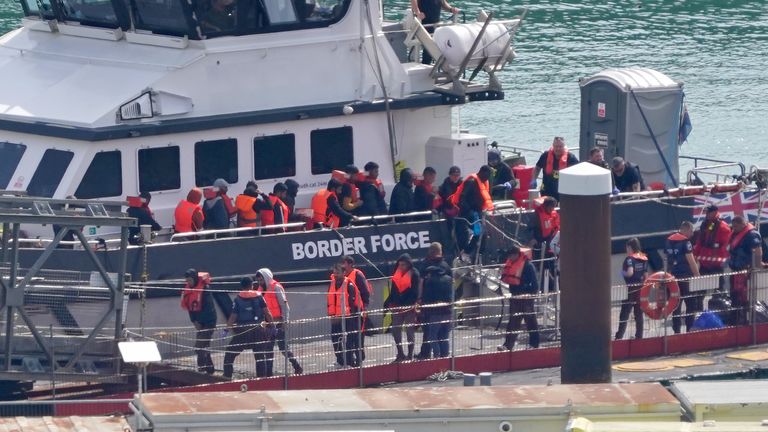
(312, 151)
(236, 166)
(78, 193)
(71, 155)
(254, 154)
(138, 167)
(16, 166)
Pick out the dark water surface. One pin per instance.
(718, 48)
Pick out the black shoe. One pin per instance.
(399, 358)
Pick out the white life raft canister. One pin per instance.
(456, 40)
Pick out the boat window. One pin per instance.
(103, 178)
(331, 149)
(49, 173)
(214, 160)
(99, 13)
(10, 156)
(236, 17)
(159, 169)
(274, 156)
(31, 8)
(170, 17)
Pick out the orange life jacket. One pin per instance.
(639, 256)
(353, 277)
(268, 216)
(320, 205)
(378, 184)
(513, 270)
(335, 300)
(485, 192)
(183, 216)
(246, 216)
(549, 223)
(192, 297)
(331, 220)
(270, 297)
(401, 281)
(562, 163)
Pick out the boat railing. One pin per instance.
(228, 232)
(713, 168)
(392, 217)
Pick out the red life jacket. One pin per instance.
(736, 239)
(513, 270)
(711, 248)
(485, 192)
(401, 281)
(335, 300)
(331, 220)
(183, 216)
(270, 297)
(639, 256)
(562, 163)
(192, 297)
(268, 216)
(549, 223)
(353, 277)
(378, 184)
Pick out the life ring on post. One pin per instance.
(660, 295)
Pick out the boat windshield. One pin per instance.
(196, 19)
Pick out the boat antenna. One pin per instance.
(380, 78)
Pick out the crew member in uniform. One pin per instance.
(711, 246)
(746, 253)
(365, 289)
(551, 162)
(634, 269)
(520, 275)
(277, 302)
(344, 305)
(428, 11)
(249, 320)
(682, 265)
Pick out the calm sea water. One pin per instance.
(718, 48)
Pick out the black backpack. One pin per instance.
(248, 311)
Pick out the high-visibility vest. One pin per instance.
(246, 215)
(270, 297)
(183, 216)
(485, 192)
(336, 301)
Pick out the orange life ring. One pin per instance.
(659, 295)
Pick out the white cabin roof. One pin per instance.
(633, 78)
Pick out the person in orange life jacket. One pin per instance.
(545, 222)
(746, 252)
(402, 301)
(350, 193)
(217, 208)
(290, 197)
(144, 216)
(436, 301)
(279, 212)
(424, 195)
(401, 200)
(335, 214)
(249, 322)
(502, 180)
(635, 270)
(189, 216)
(447, 188)
(204, 321)
(551, 162)
(357, 276)
(372, 192)
(246, 215)
(274, 295)
(473, 197)
(711, 245)
(344, 305)
(520, 275)
(682, 265)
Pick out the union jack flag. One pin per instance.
(745, 204)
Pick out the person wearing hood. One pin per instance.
(189, 216)
(217, 208)
(144, 216)
(249, 322)
(437, 301)
(403, 295)
(290, 196)
(402, 200)
(372, 192)
(520, 274)
(448, 188)
(434, 258)
(274, 295)
(502, 181)
(198, 301)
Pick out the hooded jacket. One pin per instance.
(402, 195)
(410, 295)
(273, 294)
(290, 197)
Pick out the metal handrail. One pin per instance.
(216, 233)
(393, 216)
(706, 170)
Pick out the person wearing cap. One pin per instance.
(520, 274)
(626, 177)
(551, 162)
(502, 180)
(218, 208)
(249, 322)
(372, 192)
(711, 245)
(682, 265)
(188, 216)
(350, 193)
(198, 301)
(144, 216)
(436, 304)
(448, 188)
